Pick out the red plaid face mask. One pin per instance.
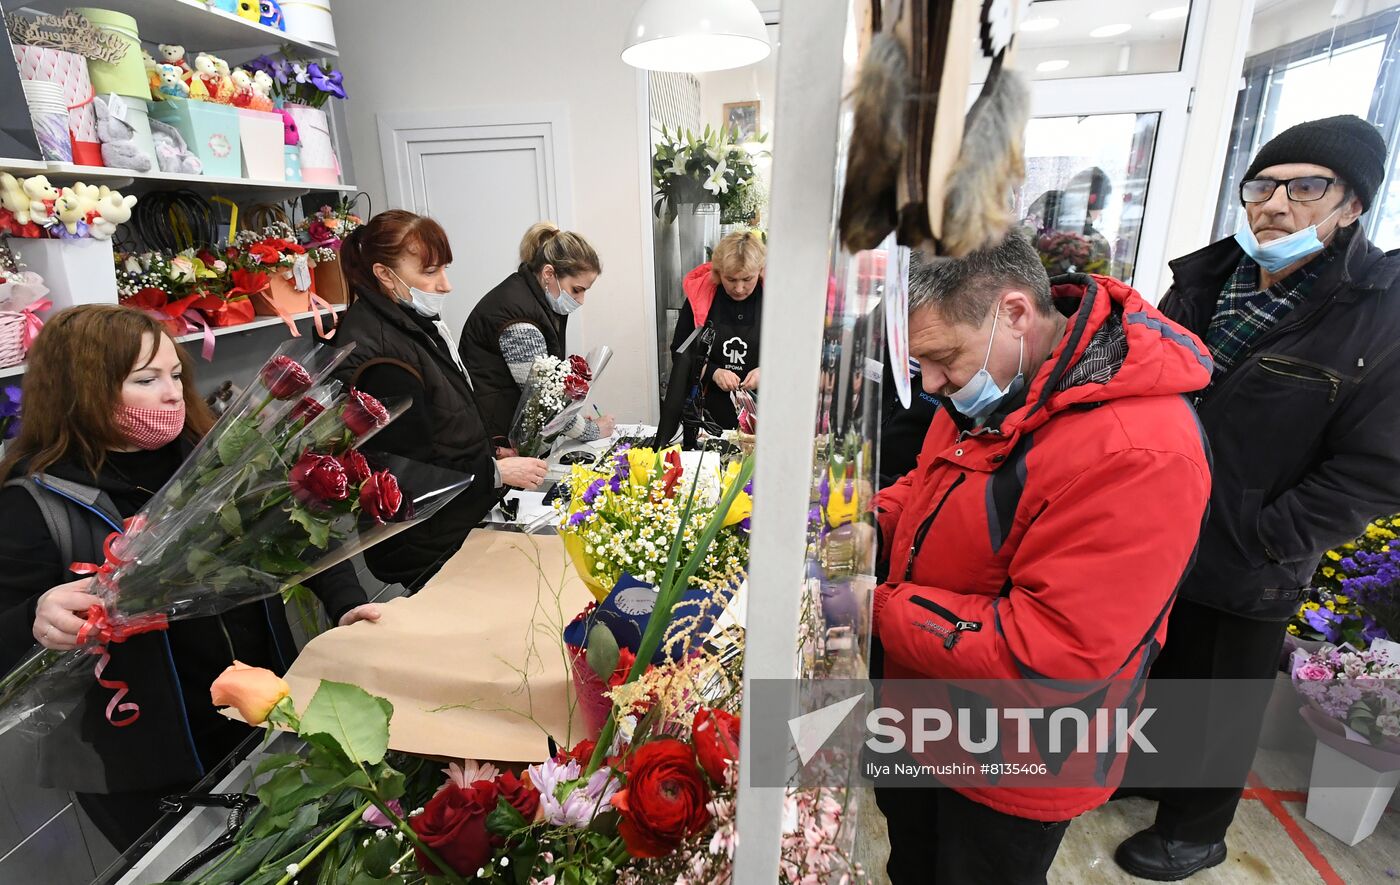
(150, 429)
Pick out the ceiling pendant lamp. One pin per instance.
(696, 35)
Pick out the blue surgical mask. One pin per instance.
(563, 303)
(428, 304)
(979, 397)
(1275, 255)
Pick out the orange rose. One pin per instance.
(253, 690)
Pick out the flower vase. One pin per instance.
(319, 164)
(1351, 781)
(698, 227)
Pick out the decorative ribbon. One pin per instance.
(92, 93)
(99, 631)
(319, 304)
(32, 323)
(271, 301)
(194, 318)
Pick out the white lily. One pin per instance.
(716, 184)
(677, 164)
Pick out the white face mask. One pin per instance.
(429, 304)
(562, 303)
(1277, 254)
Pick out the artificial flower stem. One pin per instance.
(402, 826)
(346, 823)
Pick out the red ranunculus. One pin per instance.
(664, 801)
(453, 825)
(575, 387)
(307, 410)
(625, 659)
(579, 366)
(521, 795)
(364, 413)
(285, 378)
(319, 480)
(380, 496)
(716, 737)
(356, 467)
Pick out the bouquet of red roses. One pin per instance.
(277, 492)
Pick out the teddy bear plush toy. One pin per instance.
(174, 54)
(112, 210)
(290, 134)
(172, 153)
(68, 209)
(172, 84)
(42, 197)
(118, 146)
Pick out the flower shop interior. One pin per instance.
(571, 694)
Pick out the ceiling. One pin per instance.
(1078, 17)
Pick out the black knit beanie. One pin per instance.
(1346, 144)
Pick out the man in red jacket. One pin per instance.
(1053, 510)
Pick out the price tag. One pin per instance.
(116, 105)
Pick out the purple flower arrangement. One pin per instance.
(308, 83)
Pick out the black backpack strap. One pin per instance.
(56, 516)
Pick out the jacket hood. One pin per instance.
(700, 287)
(1163, 359)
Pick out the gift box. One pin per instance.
(133, 111)
(70, 71)
(309, 20)
(223, 313)
(12, 349)
(318, 161)
(78, 271)
(261, 134)
(291, 158)
(211, 130)
(282, 298)
(128, 76)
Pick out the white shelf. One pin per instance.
(194, 25)
(259, 323)
(137, 182)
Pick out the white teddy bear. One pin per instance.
(13, 198)
(112, 210)
(42, 197)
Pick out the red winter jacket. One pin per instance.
(1050, 550)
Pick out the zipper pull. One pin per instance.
(958, 628)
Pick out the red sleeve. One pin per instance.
(1091, 574)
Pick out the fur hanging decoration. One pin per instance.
(869, 209)
(991, 165)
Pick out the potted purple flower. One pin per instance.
(304, 88)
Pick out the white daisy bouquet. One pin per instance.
(623, 515)
(554, 394)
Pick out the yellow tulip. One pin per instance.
(643, 464)
(740, 510)
(253, 690)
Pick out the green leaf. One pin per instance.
(389, 782)
(357, 721)
(230, 519)
(201, 562)
(504, 819)
(305, 819)
(318, 529)
(232, 442)
(243, 860)
(379, 857)
(602, 652)
(277, 760)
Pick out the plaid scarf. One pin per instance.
(1244, 313)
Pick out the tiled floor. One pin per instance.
(1261, 848)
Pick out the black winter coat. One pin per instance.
(398, 353)
(1302, 427)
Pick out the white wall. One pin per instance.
(449, 53)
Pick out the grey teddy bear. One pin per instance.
(118, 148)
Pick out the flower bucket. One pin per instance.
(283, 299)
(210, 130)
(80, 271)
(589, 688)
(1351, 780)
(330, 282)
(318, 161)
(261, 135)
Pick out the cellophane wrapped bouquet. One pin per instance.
(277, 492)
(554, 395)
(1358, 689)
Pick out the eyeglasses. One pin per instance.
(1308, 189)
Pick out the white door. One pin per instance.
(486, 174)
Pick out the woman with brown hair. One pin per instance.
(525, 317)
(110, 413)
(396, 266)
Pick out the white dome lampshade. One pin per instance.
(696, 35)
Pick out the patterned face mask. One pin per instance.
(150, 429)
